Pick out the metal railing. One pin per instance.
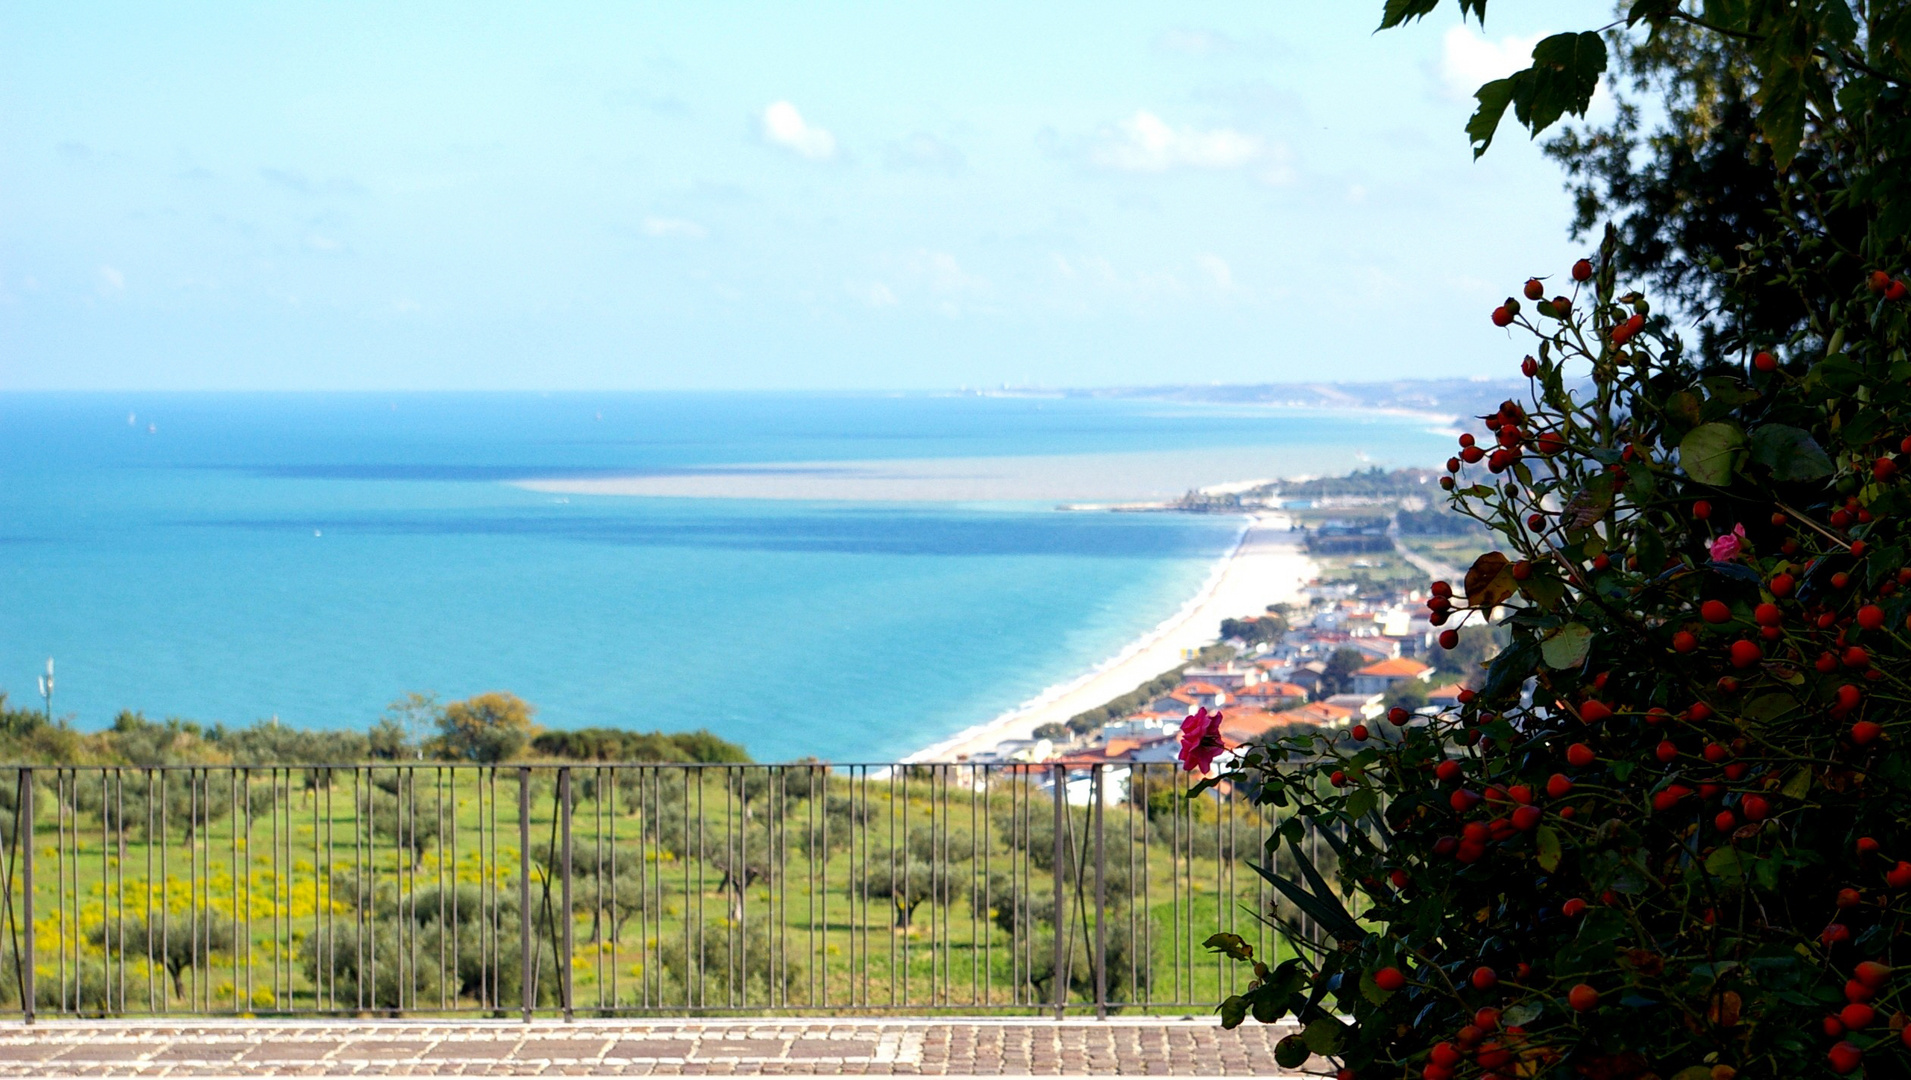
(620, 889)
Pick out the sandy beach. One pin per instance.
(1106, 477)
(1267, 566)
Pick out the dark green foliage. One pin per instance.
(616, 744)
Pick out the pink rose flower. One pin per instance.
(1201, 741)
(1727, 547)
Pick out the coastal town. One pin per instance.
(1348, 642)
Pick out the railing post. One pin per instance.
(527, 923)
(1059, 784)
(28, 989)
(1101, 905)
(564, 905)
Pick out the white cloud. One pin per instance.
(873, 293)
(1146, 143)
(785, 127)
(944, 276)
(1467, 60)
(111, 280)
(1195, 41)
(674, 227)
(922, 150)
(1218, 271)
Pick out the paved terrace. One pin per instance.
(248, 1048)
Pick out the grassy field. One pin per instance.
(691, 891)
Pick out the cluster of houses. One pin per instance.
(1270, 688)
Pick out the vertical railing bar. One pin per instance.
(29, 990)
(1101, 898)
(564, 965)
(527, 929)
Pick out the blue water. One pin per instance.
(313, 557)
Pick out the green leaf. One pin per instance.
(1323, 1035)
(1544, 590)
(1493, 97)
(1371, 990)
(1567, 647)
(1706, 453)
(1565, 72)
(1232, 946)
(1781, 100)
(1791, 453)
(1511, 668)
(1724, 864)
(1522, 1014)
(1233, 1010)
(1797, 785)
(1291, 1052)
(1399, 11)
(1362, 802)
(1547, 842)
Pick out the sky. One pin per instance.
(869, 196)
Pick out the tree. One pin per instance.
(487, 728)
(1668, 831)
(1339, 676)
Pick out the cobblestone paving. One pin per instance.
(637, 1048)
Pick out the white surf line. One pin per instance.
(940, 750)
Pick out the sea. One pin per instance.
(230, 558)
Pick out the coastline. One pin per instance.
(1266, 565)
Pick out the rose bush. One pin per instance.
(1669, 832)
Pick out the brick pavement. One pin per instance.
(1020, 1047)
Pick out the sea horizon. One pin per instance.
(227, 557)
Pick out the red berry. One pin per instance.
(1878, 281)
(1702, 510)
(1580, 755)
(1338, 779)
(1848, 697)
(1782, 585)
(1871, 616)
(1857, 1016)
(1573, 908)
(1529, 367)
(1856, 657)
(1725, 822)
(1873, 974)
(1448, 770)
(1755, 807)
(1484, 978)
(1896, 291)
(1502, 317)
(1844, 1058)
(1526, 818)
(1449, 639)
(1583, 998)
(1583, 270)
(1714, 611)
(1849, 898)
(1389, 979)
(1883, 469)
(1520, 794)
(1440, 588)
(1557, 785)
(1835, 933)
(1768, 615)
(1535, 289)
(1444, 1055)
(1592, 712)
(1667, 751)
(1899, 876)
(1855, 990)
(1463, 800)
(1866, 732)
(1746, 653)
(1359, 732)
(1398, 715)
(1867, 846)
(1765, 362)
(1684, 641)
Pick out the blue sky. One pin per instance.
(728, 195)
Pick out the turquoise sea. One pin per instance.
(231, 557)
